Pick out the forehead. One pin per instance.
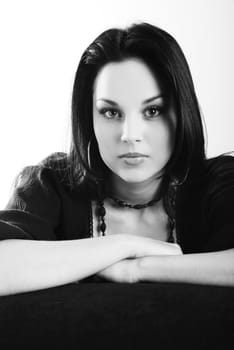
(131, 78)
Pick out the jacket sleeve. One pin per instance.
(33, 210)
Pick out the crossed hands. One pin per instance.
(122, 271)
(126, 270)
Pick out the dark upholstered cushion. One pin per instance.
(119, 316)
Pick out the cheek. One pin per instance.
(96, 128)
(98, 131)
(170, 129)
(162, 139)
(105, 138)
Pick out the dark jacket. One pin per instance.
(49, 210)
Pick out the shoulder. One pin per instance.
(51, 177)
(219, 174)
(49, 170)
(222, 165)
(218, 171)
(214, 182)
(205, 206)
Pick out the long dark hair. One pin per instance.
(162, 54)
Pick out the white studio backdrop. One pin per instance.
(41, 45)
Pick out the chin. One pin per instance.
(134, 177)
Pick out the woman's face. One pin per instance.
(132, 114)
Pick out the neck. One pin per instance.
(134, 193)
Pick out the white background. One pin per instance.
(41, 45)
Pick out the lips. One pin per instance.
(132, 155)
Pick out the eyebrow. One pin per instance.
(113, 103)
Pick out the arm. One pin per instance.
(27, 265)
(40, 261)
(204, 268)
(215, 265)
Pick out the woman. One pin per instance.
(135, 199)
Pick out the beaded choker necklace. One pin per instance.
(101, 212)
(166, 194)
(133, 206)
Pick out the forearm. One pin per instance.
(27, 265)
(204, 268)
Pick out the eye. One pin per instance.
(110, 113)
(152, 112)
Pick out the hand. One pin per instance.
(140, 246)
(124, 271)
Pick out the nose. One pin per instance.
(131, 130)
